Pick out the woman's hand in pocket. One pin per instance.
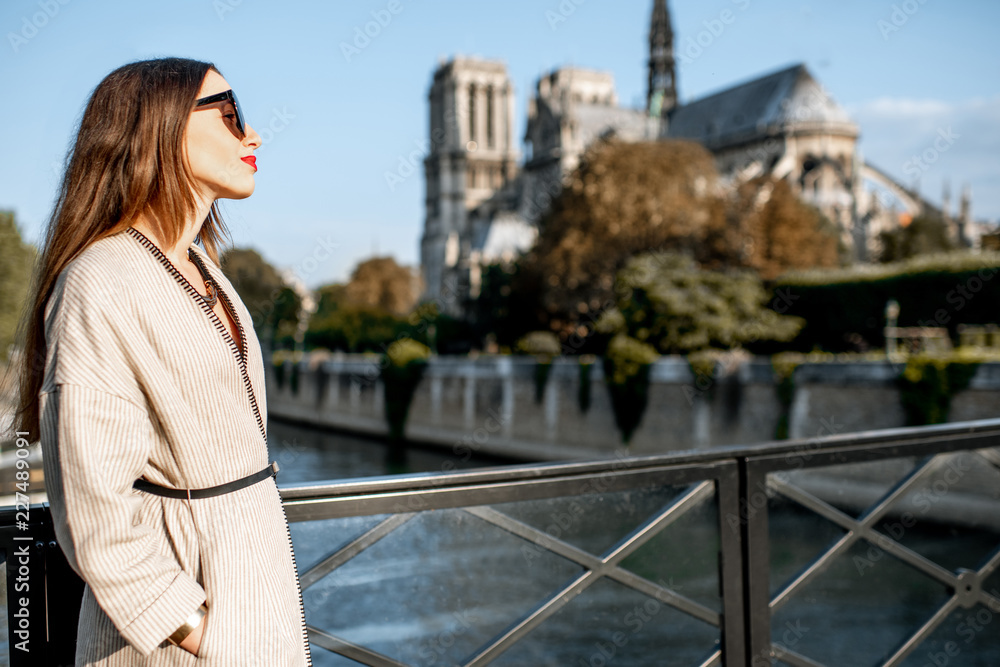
(192, 642)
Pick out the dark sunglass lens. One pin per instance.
(240, 122)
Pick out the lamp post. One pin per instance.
(891, 334)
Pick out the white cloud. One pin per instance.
(897, 134)
(901, 108)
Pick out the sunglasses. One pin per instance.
(230, 96)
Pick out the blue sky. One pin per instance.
(904, 70)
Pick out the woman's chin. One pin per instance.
(241, 192)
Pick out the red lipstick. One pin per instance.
(250, 160)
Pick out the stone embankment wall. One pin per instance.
(489, 405)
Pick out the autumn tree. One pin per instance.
(773, 231)
(383, 284)
(623, 199)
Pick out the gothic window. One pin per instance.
(489, 117)
(472, 112)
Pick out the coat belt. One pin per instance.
(143, 484)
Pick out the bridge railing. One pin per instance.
(878, 548)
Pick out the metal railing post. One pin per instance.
(756, 563)
(731, 581)
(43, 592)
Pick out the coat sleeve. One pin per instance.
(96, 440)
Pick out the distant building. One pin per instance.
(481, 208)
(472, 156)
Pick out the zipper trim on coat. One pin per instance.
(298, 584)
(238, 353)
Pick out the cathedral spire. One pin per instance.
(662, 94)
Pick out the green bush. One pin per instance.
(703, 365)
(544, 345)
(784, 366)
(354, 328)
(402, 369)
(667, 301)
(928, 384)
(539, 343)
(844, 310)
(626, 374)
(583, 392)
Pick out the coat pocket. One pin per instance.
(205, 648)
(181, 536)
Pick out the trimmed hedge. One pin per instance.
(845, 310)
(626, 374)
(403, 367)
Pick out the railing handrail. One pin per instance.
(902, 437)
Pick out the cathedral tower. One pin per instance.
(470, 156)
(661, 97)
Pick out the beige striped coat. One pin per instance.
(143, 379)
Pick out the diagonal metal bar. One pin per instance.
(513, 634)
(601, 568)
(713, 660)
(990, 455)
(666, 596)
(793, 658)
(883, 542)
(869, 517)
(987, 597)
(591, 562)
(911, 644)
(352, 549)
(349, 650)
(863, 529)
(876, 511)
(691, 498)
(991, 564)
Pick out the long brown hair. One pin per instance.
(127, 161)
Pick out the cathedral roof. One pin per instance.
(596, 120)
(767, 105)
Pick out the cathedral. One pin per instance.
(484, 198)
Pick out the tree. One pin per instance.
(17, 260)
(272, 304)
(328, 299)
(366, 314)
(501, 312)
(355, 328)
(666, 301)
(383, 284)
(926, 234)
(624, 199)
(775, 231)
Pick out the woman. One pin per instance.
(148, 390)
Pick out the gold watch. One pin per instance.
(192, 622)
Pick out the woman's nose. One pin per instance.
(252, 138)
